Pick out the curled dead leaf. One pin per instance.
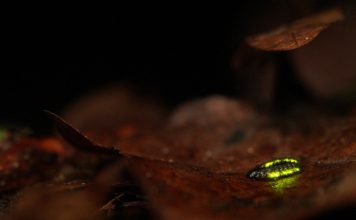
(297, 34)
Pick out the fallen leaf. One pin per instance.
(203, 177)
(19, 158)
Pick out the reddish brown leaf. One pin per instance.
(194, 173)
(19, 159)
(296, 34)
(74, 137)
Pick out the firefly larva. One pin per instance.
(277, 168)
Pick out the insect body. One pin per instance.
(274, 169)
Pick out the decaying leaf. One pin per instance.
(196, 165)
(194, 173)
(20, 157)
(74, 137)
(296, 34)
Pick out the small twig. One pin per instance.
(110, 204)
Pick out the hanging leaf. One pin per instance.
(296, 34)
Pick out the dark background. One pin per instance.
(54, 55)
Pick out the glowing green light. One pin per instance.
(274, 174)
(274, 169)
(280, 185)
(268, 164)
(279, 161)
(281, 173)
(3, 134)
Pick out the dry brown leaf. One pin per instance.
(296, 34)
(19, 159)
(195, 173)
